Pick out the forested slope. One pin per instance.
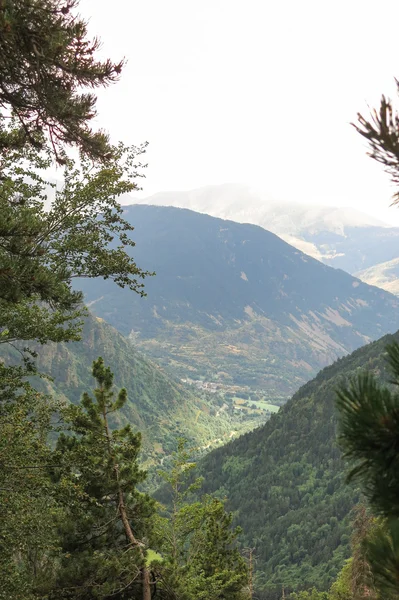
(158, 406)
(285, 482)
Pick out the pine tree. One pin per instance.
(46, 60)
(369, 437)
(381, 130)
(108, 526)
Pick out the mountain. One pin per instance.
(384, 275)
(340, 237)
(234, 304)
(158, 406)
(244, 204)
(284, 482)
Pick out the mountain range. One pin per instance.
(252, 318)
(339, 237)
(234, 304)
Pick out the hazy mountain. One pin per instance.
(384, 275)
(246, 205)
(236, 304)
(340, 237)
(285, 482)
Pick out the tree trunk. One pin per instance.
(124, 518)
(146, 584)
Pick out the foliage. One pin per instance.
(381, 548)
(353, 581)
(361, 580)
(313, 594)
(73, 523)
(200, 556)
(285, 483)
(46, 60)
(82, 234)
(381, 130)
(28, 506)
(162, 408)
(107, 526)
(341, 589)
(66, 524)
(369, 425)
(369, 437)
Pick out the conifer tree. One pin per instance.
(108, 526)
(46, 61)
(369, 436)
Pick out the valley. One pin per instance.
(233, 304)
(227, 350)
(251, 325)
(159, 406)
(230, 350)
(285, 482)
(198, 388)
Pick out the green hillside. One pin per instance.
(285, 484)
(234, 304)
(159, 406)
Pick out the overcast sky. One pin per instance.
(252, 91)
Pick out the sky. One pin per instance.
(260, 92)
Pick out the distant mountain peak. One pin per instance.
(234, 301)
(245, 204)
(341, 237)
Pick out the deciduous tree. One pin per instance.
(201, 558)
(44, 248)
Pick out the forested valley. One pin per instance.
(165, 458)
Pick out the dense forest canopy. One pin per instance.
(285, 482)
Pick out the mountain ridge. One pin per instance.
(285, 482)
(233, 302)
(341, 237)
(244, 204)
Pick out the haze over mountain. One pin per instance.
(244, 204)
(340, 237)
(235, 304)
(384, 275)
